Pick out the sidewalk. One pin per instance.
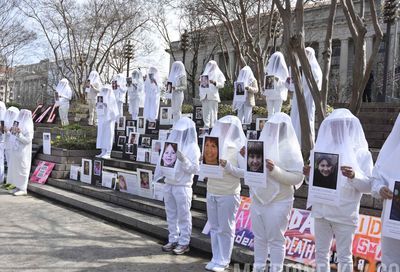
(37, 235)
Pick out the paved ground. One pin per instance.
(36, 235)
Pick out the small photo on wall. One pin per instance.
(198, 113)
(251, 135)
(145, 177)
(145, 142)
(141, 125)
(151, 125)
(260, 122)
(121, 141)
(131, 123)
(121, 123)
(133, 138)
(97, 167)
(129, 148)
(86, 175)
(130, 129)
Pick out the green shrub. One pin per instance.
(73, 137)
(187, 108)
(225, 109)
(13, 104)
(226, 93)
(258, 110)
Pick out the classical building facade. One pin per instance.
(315, 22)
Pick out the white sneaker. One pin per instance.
(20, 193)
(219, 268)
(209, 266)
(106, 156)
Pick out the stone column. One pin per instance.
(344, 55)
(231, 64)
(369, 44)
(321, 48)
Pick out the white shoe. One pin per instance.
(106, 156)
(209, 266)
(20, 193)
(219, 268)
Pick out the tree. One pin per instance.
(83, 36)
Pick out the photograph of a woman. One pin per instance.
(211, 151)
(144, 180)
(325, 170)
(169, 156)
(395, 209)
(255, 156)
(122, 183)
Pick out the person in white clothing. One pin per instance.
(107, 115)
(152, 97)
(2, 138)
(209, 95)
(294, 112)
(93, 86)
(245, 107)
(177, 78)
(63, 96)
(120, 89)
(275, 90)
(136, 93)
(341, 133)
(386, 169)
(9, 118)
(20, 153)
(223, 195)
(285, 164)
(178, 191)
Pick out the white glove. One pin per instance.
(180, 156)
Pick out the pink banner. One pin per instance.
(42, 172)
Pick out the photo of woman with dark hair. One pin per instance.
(255, 157)
(211, 151)
(325, 170)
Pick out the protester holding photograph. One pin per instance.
(294, 112)
(169, 156)
(325, 171)
(136, 94)
(386, 169)
(177, 77)
(341, 133)
(276, 67)
(64, 97)
(244, 109)
(211, 151)
(20, 153)
(209, 97)
(106, 122)
(178, 192)
(284, 163)
(152, 97)
(120, 92)
(2, 139)
(92, 89)
(223, 195)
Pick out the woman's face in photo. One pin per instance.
(122, 183)
(210, 152)
(169, 156)
(325, 168)
(254, 162)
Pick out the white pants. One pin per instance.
(269, 223)
(1, 163)
(134, 107)
(390, 254)
(274, 106)
(176, 105)
(221, 213)
(120, 106)
(92, 112)
(324, 231)
(245, 114)
(178, 200)
(210, 112)
(63, 112)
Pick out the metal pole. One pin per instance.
(396, 27)
(127, 71)
(382, 97)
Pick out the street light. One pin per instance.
(128, 54)
(184, 44)
(389, 16)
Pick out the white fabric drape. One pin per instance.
(136, 94)
(152, 98)
(247, 77)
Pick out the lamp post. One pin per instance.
(184, 44)
(128, 54)
(389, 16)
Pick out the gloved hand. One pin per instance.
(180, 156)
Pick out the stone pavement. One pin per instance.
(37, 235)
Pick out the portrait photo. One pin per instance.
(123, 186)
(144, 178)
(255, 156)
(86, 175)
(204, 82)
(168, 157)
(15, 124)
(121, 141)
(141, 122)
(97, 168)
(203, 132)
(151, 125)
(156, 146)
(395, 209)
(169, 87)
(198, 113)
(164, 113)
(133, 138)
(131, 123)
(260, 122)
(145, 142)
(128, 81)
(211, 150)
(121, 123)
(99, 99)
(130, 129)
(269, 82)
(251, 134)
(239, 88)
(129, 148)
(325, 170)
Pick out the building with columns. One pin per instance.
(315, 22)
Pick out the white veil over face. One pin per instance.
(156, 76)
(281, 144)
(94, 78)
(10, 116)
(277, 66)
(315, 68)
(109, 99)
(2, 110)
(341, 133)
(246, 76)
(387, 163)
(230, 132)
(177, 71)
(137, 77)
(121, 81)
(213, 72)
(25, 122)
(63, 89)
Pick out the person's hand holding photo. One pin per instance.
(348, 172)
(386, 193)
(223, 163)
(269, 164)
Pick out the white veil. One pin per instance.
(213, 72)
(10, 116)
(277, 66)
(2, 110)
(109, 99)
(177, 71)
(315, 68)
(63, 89)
